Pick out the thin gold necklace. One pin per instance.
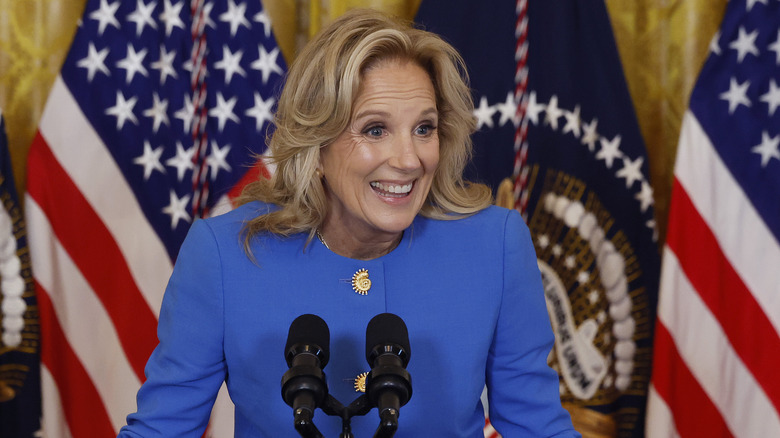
(319, 236)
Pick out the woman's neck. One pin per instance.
(354, 246)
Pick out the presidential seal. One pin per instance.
(593, 285)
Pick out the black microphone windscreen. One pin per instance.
(308, 329)
(386, 329)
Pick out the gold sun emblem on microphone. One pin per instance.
(360, 282)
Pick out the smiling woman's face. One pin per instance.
(379, 171)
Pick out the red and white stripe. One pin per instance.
(100, 272)
(200, 186)
(521, 101)
(717, 340)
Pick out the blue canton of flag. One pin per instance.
(181, 95)
(158, 114)
(20, 390)
(739, 102)
(555, 119)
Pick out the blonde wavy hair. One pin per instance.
(316, 105)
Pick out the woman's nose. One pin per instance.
(405, 154)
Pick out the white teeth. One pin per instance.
(392, 188)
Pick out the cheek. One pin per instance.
(429, 156)
(342, 160)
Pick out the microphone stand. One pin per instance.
(305, 426)
(360, 406)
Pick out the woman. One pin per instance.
(372, 135)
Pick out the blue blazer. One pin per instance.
(469, 291)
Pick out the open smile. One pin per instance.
(392, 190)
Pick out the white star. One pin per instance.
(142, 16)
(645, 196)
(94, 62)
(261, 111)
(186, 114)
(484, 113)
(768, 148)
(714, 45)
(230, 63)
(573, 122)
(610, 149)
(737, 95)
(177, 209)
(235, 16)
(569, 262)
(583, 277)
(217, 160)
(750, 3)
(775, 47)
(123, 110)
(631, 171)
(207, 14)
(533, 109)
(150, 160)
(171, 16)
(651, 224)
(159, 111)
(187, 64)
(224, 110)
(105, 15)
(745, 43)
(553, 113)
(593, 297)
(133, 62)
(507, 109)
(557, 250)
(165, 65)
(772, 97)
(266, 62)
(182, 161)
(263, 18)
(589, 135)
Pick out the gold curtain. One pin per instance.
(34, 39)
(662, 43)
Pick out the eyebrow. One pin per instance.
(386, 114)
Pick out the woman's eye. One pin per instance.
(425, 129)
(374, 131)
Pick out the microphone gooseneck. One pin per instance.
(388, 385)
(304, 387)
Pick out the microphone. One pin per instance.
(303, 386)
(388, 385)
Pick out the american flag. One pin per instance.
(555, 118)
(717, 344)
(153, 119)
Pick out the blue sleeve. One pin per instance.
(186, 370)
(523, 391)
